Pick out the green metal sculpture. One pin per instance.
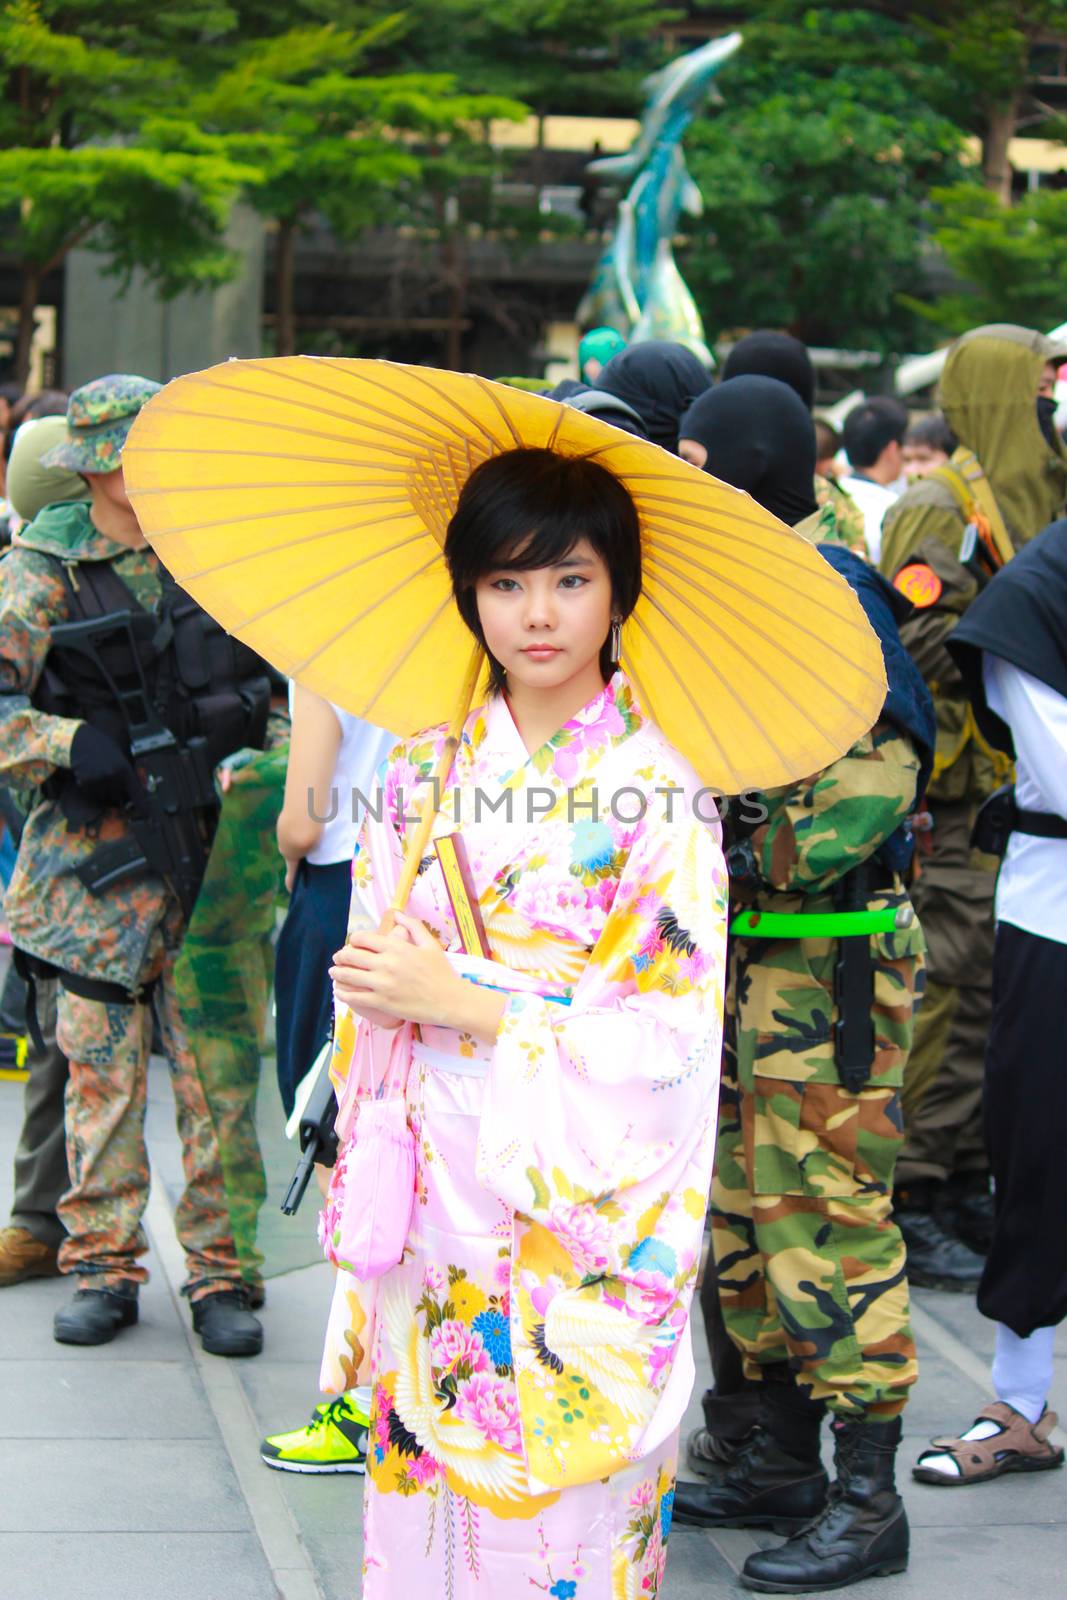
(637, 287)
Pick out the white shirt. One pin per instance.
(874, 501)
(1032, 886)
(362, 750)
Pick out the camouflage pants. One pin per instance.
(223, 978)
(108, 1047)
(810, 1266)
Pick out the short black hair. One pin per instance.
(872, 425)
(528, 508)
(933, 432)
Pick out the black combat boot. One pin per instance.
(729, 1420)
(861, 1533)
(936, 1258)
(226, 1325)
(967, 1209)
(94, 1316)
(776, 1479)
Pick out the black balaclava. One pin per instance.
(659, 380)
(760, 437)
(773, 355)
(1047, 406)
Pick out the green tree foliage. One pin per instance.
(1012, 264)
(986, 48)
(81, 161)
(569, 57)
(330, 143)
(157, 210)
(816, 173)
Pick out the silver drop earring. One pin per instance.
(615, 640)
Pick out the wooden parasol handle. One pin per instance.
(418, 841)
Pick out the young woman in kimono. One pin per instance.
(530, 1355)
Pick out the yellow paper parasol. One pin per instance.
(304, 502)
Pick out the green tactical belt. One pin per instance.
(820, 924)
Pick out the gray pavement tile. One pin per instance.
(323, 1507)
(27, 1309)
(113, 1486)
(959, 1314)
(697, 1568)
(281, 1393)
(110, 1492)
(1017, 1498)
(338, 1558)
(135, 1566)
(1008, 1563)
(88, 1399)
(943, 1400)
(294, 1317)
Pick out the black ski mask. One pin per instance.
(760, 437)
(773, 355)
(659, 380)
(1046, 417)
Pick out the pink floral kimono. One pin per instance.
(530, 1356)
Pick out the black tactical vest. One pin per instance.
(201, 683)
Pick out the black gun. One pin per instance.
(318, 1138)
(171, 831)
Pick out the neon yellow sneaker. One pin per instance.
(335, 1440)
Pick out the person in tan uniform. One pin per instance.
(942, 542)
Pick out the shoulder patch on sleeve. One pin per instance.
(918, 583)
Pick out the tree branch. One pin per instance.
(60, 255)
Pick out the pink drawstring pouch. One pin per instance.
(364, 1224)
(379, 1191)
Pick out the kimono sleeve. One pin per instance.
(612, 1093)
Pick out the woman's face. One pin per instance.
(547, 626)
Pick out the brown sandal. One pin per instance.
(1020, 1446)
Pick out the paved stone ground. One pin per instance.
(131, 1472)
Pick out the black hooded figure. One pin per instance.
(759, 436)
(773, 355)
(659, 380)
(1011, 648)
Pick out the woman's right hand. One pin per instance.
(346, 958)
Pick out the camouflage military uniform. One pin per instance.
(130, 936)
(223, 977)
(809, 1264)
(847, 526)
(833, 524)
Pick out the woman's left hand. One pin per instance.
(410, 978)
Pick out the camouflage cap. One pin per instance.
(99, 416)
